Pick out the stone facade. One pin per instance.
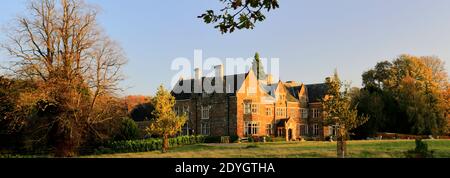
(253, 107)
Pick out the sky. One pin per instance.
(311, 38)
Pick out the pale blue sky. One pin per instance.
(311, 37)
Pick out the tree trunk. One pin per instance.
(165, 146)
(341, 144)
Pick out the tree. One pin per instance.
(166, 122)
(437, 67)
(142, 112)
(258, 68)
(339, 110)
(11, 113)
(129, 130)
(59, 46)
(412, 92)
(239, 14)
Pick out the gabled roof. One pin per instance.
(316, 92)
(270, 89)
(295, 90)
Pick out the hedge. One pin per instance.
(218, 139)
(134, 146)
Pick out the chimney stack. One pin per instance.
(198, 74)
(219, 71)
(269, 78)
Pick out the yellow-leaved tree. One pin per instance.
(166, 122)
(339, 110)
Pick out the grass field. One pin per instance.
(356, 149)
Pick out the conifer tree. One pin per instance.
(258, 68)
(166, 122)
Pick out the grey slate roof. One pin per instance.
(316, 92)
(230, 88)
(294, 91)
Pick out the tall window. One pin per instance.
(175, 110)
(251, 128)
(316, 113)
(333, 130)
(254, 109)
(269, 111)
(205, 112)
(269, 129)
(186, 130)
(205, 128)
(250, 108)
(304, 113)
(316, 130)
(281, 112)
(303, 130)
(186, 112)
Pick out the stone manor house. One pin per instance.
(252, 107)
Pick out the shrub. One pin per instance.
(251, 140)
(421, 151)
(213, 139)
(257, 139)
(234, 139)
(129, 130)
(133, 146)
(268, 139)
(218, 139)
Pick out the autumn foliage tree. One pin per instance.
(166, 122)
(339, 110)
(59, 46)
(407, 95)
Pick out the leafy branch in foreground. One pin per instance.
(239, 14)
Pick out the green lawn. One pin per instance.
(357, 149)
